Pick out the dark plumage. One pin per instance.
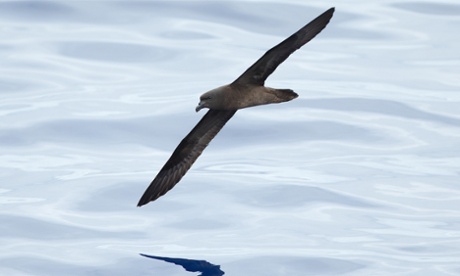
(246, 91)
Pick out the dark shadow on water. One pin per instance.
(206, 268)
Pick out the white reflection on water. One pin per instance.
(358, 176)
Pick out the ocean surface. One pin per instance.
(358, 176)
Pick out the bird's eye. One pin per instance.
(207, 98)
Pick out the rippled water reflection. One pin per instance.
(359, 176)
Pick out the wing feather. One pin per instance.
(262, 68)
(186, 153)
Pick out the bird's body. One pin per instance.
(246, 91)
(238, 96)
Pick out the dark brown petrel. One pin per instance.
(246, 91)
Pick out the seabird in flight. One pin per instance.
(223, 102)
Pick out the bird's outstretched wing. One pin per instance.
(186, 153)
(262, 68)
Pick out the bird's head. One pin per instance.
(212, 99)
(205, 101)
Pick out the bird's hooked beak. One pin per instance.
(199, 107)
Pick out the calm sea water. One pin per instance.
(358, 176)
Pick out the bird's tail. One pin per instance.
(285, 95)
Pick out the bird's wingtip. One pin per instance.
(141, 202)
(330, 10)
